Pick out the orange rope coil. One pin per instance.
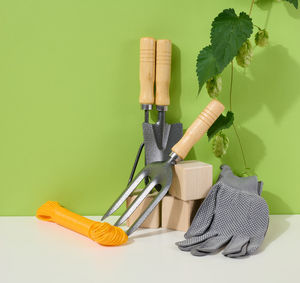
(102, 233)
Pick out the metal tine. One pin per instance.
(130, 188)
(147, 211)
(141, 196)
(136, 161)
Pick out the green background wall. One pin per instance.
(70, 121)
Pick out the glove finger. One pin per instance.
(235, 245)
(205, 214)
(189, 244)
(195, 252)
(254, 244)
(241, 253)
(248, 249)
(212, 245)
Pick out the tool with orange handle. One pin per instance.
(160, 173)
(102, 233)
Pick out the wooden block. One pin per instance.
(191, 180)
(178, 214)
(153, 220)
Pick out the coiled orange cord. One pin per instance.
(102, 233)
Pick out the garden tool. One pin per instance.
(160, 173)
(160, 137)
(102, 233)
(232, 215)
(147, 77)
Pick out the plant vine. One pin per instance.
(229, 35)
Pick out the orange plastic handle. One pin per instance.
(102, 233)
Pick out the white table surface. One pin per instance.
(36, 251)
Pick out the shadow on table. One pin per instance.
(278, 227)
(150, 233)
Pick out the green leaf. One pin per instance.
(228, 33)
(223, 122)
(206, 66)
(294, 2)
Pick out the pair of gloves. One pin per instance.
(233, 215)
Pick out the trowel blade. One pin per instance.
(158, 144)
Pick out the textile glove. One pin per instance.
(232, 215)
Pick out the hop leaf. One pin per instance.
(214, 86)
(244, 56)
(206, 66)
(223, 122)
(229, 31)
(262, 38)
(220, 144)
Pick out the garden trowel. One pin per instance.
(160, 137)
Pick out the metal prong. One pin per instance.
(125, 194)
(136, 161)
(148, 210)
(136, 203)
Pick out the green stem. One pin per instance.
(251, 7)
(230, 106)
(230, 90)
(242, 151)
(257, 27)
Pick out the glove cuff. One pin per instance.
(245, 184)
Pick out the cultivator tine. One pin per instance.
(142, 195)
(148, 210)
(125, 194)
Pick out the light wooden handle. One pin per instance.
(147, 70)
(200, 126)
(163, 71)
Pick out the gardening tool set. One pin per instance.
(233, 213)
(160, 173)
(155, 71)
(164, 144)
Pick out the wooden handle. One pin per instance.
(200, 126)
(147, 70)
(163, 71)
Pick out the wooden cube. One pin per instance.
(178, 214)
(191, 180)
(153, 220)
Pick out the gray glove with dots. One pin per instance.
(233, 215)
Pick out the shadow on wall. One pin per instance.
(267, 5)
(252, 144)
(265, 88)
(174, 112)
(175, 87)
(268, 86)
(294, 13)
(277, 203)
